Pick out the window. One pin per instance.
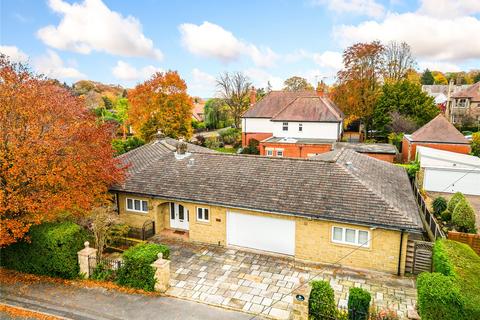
(285, 126)
(300, 127)
(351, 236)
(203, 214)
(137, 205)
(280, 153)
(269, 152)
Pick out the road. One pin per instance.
(98, 303)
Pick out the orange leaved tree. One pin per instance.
(54, 156)
(161, 103)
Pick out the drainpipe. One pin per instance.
(118, 203)
(400, 253)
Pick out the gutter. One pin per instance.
(400, 254)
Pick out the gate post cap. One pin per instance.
(86, 244)
(160, 255)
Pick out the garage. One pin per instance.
(261, 233)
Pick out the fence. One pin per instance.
(473, 240)
(435, 231)
(108, 267)
(145, 232)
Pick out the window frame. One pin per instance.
(279, 150)
(203, 210)
(300, 127)
(285, 126)
(269, 150)
(357, 237)
(141, 203)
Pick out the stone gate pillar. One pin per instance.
(83, 257)
(162, 273)
(300, 301)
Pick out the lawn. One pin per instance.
(226, 150)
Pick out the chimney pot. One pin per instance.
(181, 147)
(253, 96)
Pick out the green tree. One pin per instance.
(427, 77)
(217, 114)
(234, 89)
(406, 98)
(463, 217)
(476, 77)
(476, 144)
(297, 84)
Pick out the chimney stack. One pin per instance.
(253, 96)
(181, 147)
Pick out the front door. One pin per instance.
(178, 216)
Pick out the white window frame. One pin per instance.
(201, 217)
(279, 150)
(300, 127)
(269, 152)
(285, 126)
(357, 239)
(133, 205)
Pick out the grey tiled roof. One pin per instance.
(368, 192)
(384, 148)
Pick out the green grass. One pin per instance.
(226, 150)
(466, 269)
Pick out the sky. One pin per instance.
(125, 42)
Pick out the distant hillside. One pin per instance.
(97, 94)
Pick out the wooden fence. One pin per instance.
(473, 240)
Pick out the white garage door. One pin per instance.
(262, 233)
(444, 180)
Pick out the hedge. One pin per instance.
(321, 304)
(454, 200)
(137, 271)
(461, 265)
(52, 250)
(358, 304)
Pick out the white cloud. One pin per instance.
(212, 41)
(127, 72)
(91, 25)
(52, 66)
(431, 38)
(260, 79)
(439, 66)
(449, 8)
(360, 7)
(14, 53)
(329, 59)
(202, 84)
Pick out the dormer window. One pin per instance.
(285, 126)
(300, 127)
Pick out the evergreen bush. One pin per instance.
(439, 205)
(463, 217)
(51, 250)
(358, 304)
(446, 215)
(321, 304)
(454, 200)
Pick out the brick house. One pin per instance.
(437, 134)
(293, 124)
(313, 210)
(464, 105)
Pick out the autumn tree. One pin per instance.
(398, 61)
(297, 84)
(54, 155)
(427, 77)
(358, 86)
(234, 89)
(161, 103)
(439, 78)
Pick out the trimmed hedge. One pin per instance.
(321, 304)
(463, 217)
(439, 294)
(358, 300)
(454, 200)
(52, 250)
(137, 271)
(439, 297)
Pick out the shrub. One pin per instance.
(382, 314)
(446, 215)
(137, 271)
(52, 250)
(322, 301)
(463, 217)
(412, 168)
(101, 272)
(476, 144)
(252, 147)
(231, 136)
(439, 205)
(212, 142)
(358, 304)
(439, 297)
(122, 146)
(200, 139)
(454, 200)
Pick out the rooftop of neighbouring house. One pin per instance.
(295, 106)
(381, 148)
(350, 187)
(438, 130)
(472, 92)
(432, 89)
(298, 140)
(458, 159)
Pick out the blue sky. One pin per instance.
(270, 40)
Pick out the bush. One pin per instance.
(476, 144)
(439, 297)
(463, 217)
(454, 200)
(358, 304)
(201, 140)
(446, 215)
(122, 146)
(231, 136)
(103, 273)
(212, 142)
(137, 271)
(52, 250)
(462, 265)
(439, 205)
(322, 301)
(252, 147)
(412, 168)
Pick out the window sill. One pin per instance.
(204, 222)
(347, 245)
(141, 213)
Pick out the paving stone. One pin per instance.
(246, 297)
(267, 301)
(279, 313)
(256, 308)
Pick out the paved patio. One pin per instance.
(262, 284)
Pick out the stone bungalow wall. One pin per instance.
(312, 237)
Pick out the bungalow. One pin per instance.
(313, 210)
(464, 106)
(437, 134)
(293, 124)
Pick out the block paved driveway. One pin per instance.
(262, 284)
